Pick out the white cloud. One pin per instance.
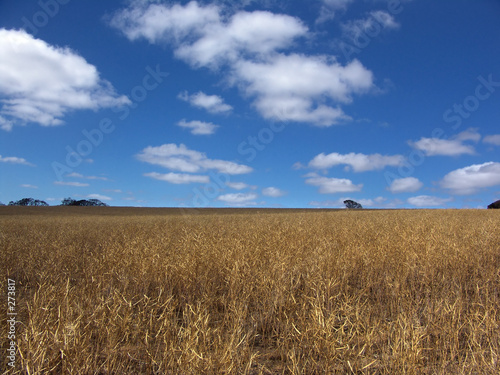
(180, 158)
(292, 87)
(470, 134)
(372, 25)
(360, 32)
(358, 162)
(298, 165)
(28, 186)
(238, 199)
(40, 83)
(74, 184)
(257, 33)
(211, 103)
(471, 179)
(6, 124)
(202, 37)
(428, 201)
(273, 192)
(405, 185)
(159, 22)
(179, 178)
(198, 127)
(15, 160)
(385, 19)
(250, 45)
(329, 185)
(311, 175)
(330, 7)
(448, 147)
(237, 185)
(492, 139)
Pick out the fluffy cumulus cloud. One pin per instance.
(292, 87)
(405, 185)
(330, 185)
(211, 103)
(454, 146)
(15, 160)
(251, 46)
(273, 192)
(40, 83)
(238, 199)
(198, 127)
(202, 36)
(158, 22)
(471, 179)
(181, 159)
(428, 201)
(358, 162)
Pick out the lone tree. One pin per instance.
(83, 202)
(495, 204)
(28, 202)
(352, 204)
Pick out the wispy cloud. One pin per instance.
(116, 191)
(492, 139)
(78, 175)
(179, 178)
(428, 201)
(330, 8)
(405, 185)
(454, 146)
(15, 160)
(74, 184)
(273, 192)
(373, 22)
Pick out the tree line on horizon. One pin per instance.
(350, 204)
(65, 202)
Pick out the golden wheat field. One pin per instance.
(165, 291)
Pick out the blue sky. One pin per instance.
(258, 103)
